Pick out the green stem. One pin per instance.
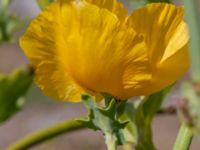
(45, 134)
(184, 138)
(110, 142)
(127, 147)
(191, 8)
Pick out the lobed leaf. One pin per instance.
(12, 90)
(104, 119)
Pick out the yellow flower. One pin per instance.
(92, 46)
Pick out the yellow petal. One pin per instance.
(112, 5)
(166, 36)
(79, 47)
(105, 50)
(55, 82)
(164, 75)
(157, 22)
(178, 40)
(41, 44)
(172, 68)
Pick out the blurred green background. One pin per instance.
(40, 111)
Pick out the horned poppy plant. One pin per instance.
(93, 46)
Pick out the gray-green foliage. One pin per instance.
(104, 119)
(133, 125)
(140, 115)
(13, 87)
(143, 119)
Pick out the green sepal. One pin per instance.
(104, 119)
(13, 87)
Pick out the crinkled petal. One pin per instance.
(166, 37)
(172, 68)
(55, 82)
(112, 5)
(78, 46)
(159, 23)
(105, 49)
(42, 43)
(164, 75)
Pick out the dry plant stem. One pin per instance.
(184, 138)
(45, 134)
(171, 110)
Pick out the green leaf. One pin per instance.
(12, 90)
(192, 17)
(130, 132)
(4, 4)
(43, 3)
(8, 22)
(140, 114)
(104, 119)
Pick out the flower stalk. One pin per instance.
(46, 134)
(184, 138)
(111, 141)
(192, 17)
